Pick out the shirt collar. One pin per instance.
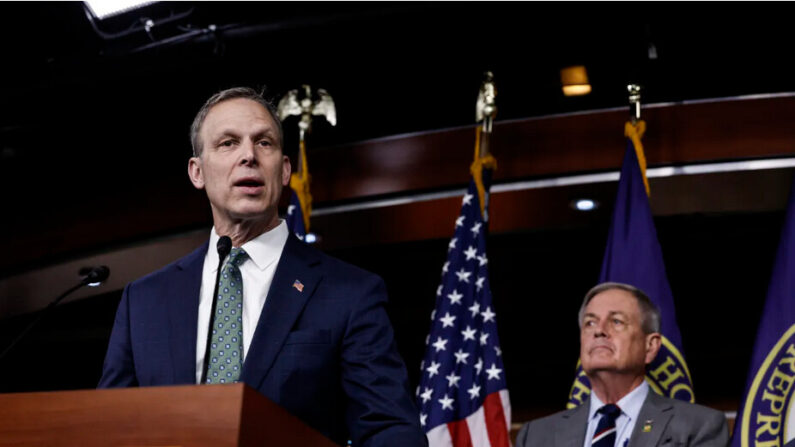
(263, 250)
(629, 404)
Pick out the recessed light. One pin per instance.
(584, 204)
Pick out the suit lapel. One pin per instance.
(565, 435)
(283, 306)
(184, 314)
(655, 412)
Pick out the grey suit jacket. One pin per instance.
(673, 423)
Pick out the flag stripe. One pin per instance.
(459, 433)
(495, 420)
(506, 408)
(477, 428)
(439, 436)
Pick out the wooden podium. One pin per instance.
(185, 416)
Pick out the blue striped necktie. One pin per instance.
(605, 435)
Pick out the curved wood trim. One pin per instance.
(528, 148)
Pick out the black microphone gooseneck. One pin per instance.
(93, 275)
(224, 247)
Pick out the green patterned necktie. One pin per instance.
(226, 349)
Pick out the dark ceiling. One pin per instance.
(392, 68)
(85, 120)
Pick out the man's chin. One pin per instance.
(252, 214)
(252, 209)
(598, 365)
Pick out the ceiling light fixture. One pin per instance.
(575, 81)
(102, 9)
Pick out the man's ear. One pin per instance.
(195, 172)
(653, 342)
(286, 170)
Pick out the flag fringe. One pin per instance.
(480, 163)
(299, 182)
(635, 132)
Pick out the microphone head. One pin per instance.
(224, 246)
(97, 275)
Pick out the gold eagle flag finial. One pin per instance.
(300, 102)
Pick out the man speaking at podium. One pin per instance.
(306, 330)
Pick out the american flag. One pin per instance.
(462, 395)
(295, 217)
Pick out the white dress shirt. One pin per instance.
(625, 423)
(264, 253)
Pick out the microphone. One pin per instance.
(92, 276)
(224, 246)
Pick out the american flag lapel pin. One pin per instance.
(298, 286)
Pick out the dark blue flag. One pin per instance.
(765, 418)
(633, 256)
(462, 395)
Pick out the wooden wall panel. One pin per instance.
(432, 161)
(677, 134)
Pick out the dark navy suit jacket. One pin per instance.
(325, 353)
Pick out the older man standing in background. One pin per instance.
(619, 336)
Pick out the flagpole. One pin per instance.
(485, 112)
(635, 129)
(634, 103)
